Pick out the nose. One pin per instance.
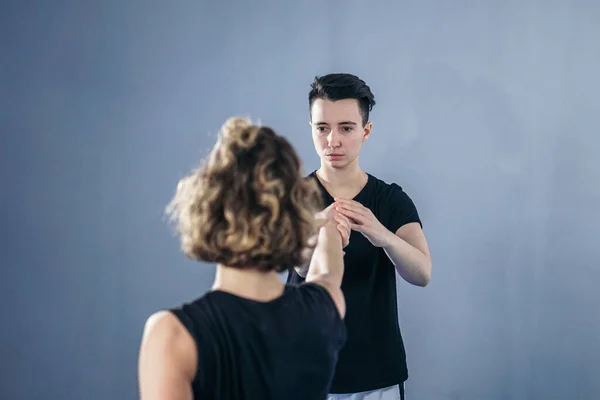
(333, 139)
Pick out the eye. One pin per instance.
(347, 129)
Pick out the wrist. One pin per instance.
(388, 239)
(329, 231)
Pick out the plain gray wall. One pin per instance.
(487, 115)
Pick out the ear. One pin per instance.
(367, 131)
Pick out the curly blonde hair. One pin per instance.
(248, 206)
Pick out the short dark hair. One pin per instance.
(342, 86)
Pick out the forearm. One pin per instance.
(327, 261)
(321, 220)
(412, 264)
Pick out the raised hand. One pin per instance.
(343, 227)
(362, 220)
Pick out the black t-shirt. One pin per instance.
(374, 355)
(282, 349)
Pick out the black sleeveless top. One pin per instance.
(282, 349)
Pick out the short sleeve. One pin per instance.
(401, 208)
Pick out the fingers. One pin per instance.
(342, 220)
(345, 234)
(320, 222)
(343, 226)
(350, 205)
(357, 227)
(347, 217)
(351, 224)
(344, 231)
(326, 213)
(356, 212)
(351, 214)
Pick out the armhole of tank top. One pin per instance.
(187, 323)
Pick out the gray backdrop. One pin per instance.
(487, 115)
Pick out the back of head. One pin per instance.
(248, 206)
(336, 87)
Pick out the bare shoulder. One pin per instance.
(161, 325)
(336, 294)
(166, 340)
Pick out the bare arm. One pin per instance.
(407, 248)
(167, 361)
(327, 264)
(343, 227)
(409, 252)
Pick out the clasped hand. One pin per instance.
(342, 222)
(327, 215)
(362, 220)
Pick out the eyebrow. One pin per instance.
(339, 123)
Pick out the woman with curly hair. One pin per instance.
(249, 210)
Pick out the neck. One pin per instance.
(248, 283)
(342, 177)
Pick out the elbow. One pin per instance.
(424, 281)
(426, 275)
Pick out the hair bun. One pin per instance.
(239, 132)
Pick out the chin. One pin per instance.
(336, 164)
